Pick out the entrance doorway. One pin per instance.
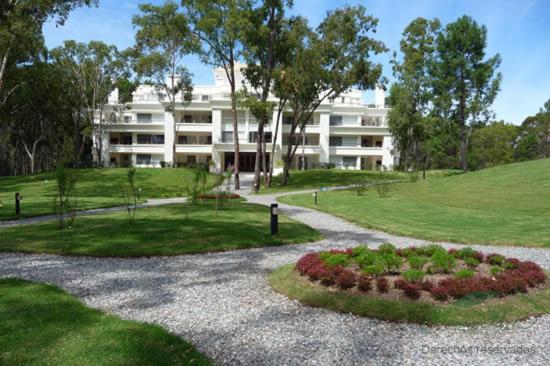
(246, 162)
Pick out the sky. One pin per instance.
(519, 30)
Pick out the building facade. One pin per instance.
(344, 132)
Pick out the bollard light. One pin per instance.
(18, 199)
(315, 197)
(274, 218)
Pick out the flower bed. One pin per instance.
(429, 273)
(215, 196)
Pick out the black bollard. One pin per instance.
(315, 195)
(274, 219)
(17, 205)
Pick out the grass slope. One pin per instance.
(505, 205)
(43, 325)
(159, 231)
(472, 311)
(95, 188)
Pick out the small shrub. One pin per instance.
(509, 265)
(413, 275)
(400, 283)
(495, 259)
(413, 176)
(335, 259)
(390, 261)
(412, 291)
(443, 261)
(466, 253)
(360, 186)
(346, 279)
(465, 273)
(440, 293)
(383, 188)
(382, 285)
(374, 269)
(426, 285)
(308, 262)
(418, 261)
(357, 251)
(453, 251)
(430, 250)
(495, 270)
(367, 258)
(387, 248)
(329, 275)
(471, 262)
(406, 252)
(364, 283)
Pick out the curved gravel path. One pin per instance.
(223, 304)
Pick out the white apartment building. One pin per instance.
(343, 132)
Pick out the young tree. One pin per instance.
(93, 70)
(493, 144)
(534, 138)
(327, 63)
(411, 94)
(163, 39)
(465, 83)
(263, 50)
(218, 26)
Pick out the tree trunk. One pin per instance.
(236, 147)
(264, 164)
(273, 145)
(257, 163)
(303, 149)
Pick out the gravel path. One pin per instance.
(223, 304)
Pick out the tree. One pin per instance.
(325, 64)
(534, 139)
(21, 24)
(263, 50)
(493, 144)
(465, 84)
(411, 94)
(219, 26)
(163, 39)
(93, 70)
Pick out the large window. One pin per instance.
(143, 158)
(335, 141)
(253, 137)
(336, 120)
(349, 161)
(150, 139)
(144, 117)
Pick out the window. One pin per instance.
(227, 136)
(268, 136)
(252, 136)
(157, 139)
(335, 141)
(366, 142)
(144, 117)
(336, 120)
(372, 121)
(204, 98)
(150, 139)
(182, 140)
(187, 118)
(378, 143)
(143, 158)
(349, 161)
(126, 140)
(191, 159)
(114, 140)
(127, 119)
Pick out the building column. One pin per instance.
(324, 138)
(169, 138)
(387, 157)
(358, 163)
(216, 138)
(105, 154)
(279, 145)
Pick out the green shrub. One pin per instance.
(443, 261)
(357, 251)
(466, 253)
(374, 269)
(407, 252)
(413, 275)
(496, 270)
(418, 261)
(335, 259)
(509, 265)
(496, 259)
(387, 248)
(471, 262)
(390, 261)
(465, 273)
(383, 188)
(367, 258)
(430, 250)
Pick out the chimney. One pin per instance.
(113, 97)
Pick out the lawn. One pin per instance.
(505, 205)
(159, 231)
(319, 178)
(43, 325)
(465, 311)
(95, 188)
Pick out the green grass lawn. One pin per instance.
(43, 325)
(505, 205)
(319, 178)
(159, 231)
(461, 312)
(95, 188)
